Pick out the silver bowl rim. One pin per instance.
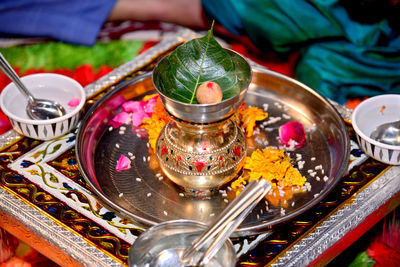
(229, 102)
(148, 232)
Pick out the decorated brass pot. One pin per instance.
(201, 148)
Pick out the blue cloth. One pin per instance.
(339, 57)
(73, 21)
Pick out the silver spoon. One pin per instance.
(226, 223)
(388, 133)
(37, 109)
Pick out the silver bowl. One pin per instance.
(159, 245)
(205, 113)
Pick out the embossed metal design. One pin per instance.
(20, 169)
(201, 157)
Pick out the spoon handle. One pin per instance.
(219, 241)
(8, 70)
(235, 211)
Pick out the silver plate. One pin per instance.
(140, 194)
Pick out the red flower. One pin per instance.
(383, 255)
(84, 74)
(386, 249)
(5, 125)
(148, 45)
(103, 71)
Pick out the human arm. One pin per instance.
(74, 21)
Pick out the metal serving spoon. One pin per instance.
(226, 223)
(37, 109)
(388, 133)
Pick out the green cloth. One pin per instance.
(57, 55)
(340, 58)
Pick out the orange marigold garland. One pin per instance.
(155, 124)
(247, 117)
(273, 165)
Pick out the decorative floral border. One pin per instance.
(64, 240)
(344, 220)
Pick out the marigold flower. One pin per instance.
(272, 164)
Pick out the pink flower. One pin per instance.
(137, 117)
(135, 111)
(74, 102)
(149, 106)
(140, 109)
(292, 133)
(120, 118)
(132, 106)
(123, 164)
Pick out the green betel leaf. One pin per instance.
(203, 59)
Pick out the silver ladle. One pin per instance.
(37, 109)
(388, 133)
(227, 222)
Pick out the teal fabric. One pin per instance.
(339, 58)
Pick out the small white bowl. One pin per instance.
(47, 86)
(368, 115)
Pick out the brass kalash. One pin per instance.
(201, 149)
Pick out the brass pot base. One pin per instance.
(201, 158)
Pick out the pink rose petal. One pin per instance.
(292, 133)
(120, 118)
(123, 164)
(138, 117)
(150, 104)
(132, 106)
(74, 102)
